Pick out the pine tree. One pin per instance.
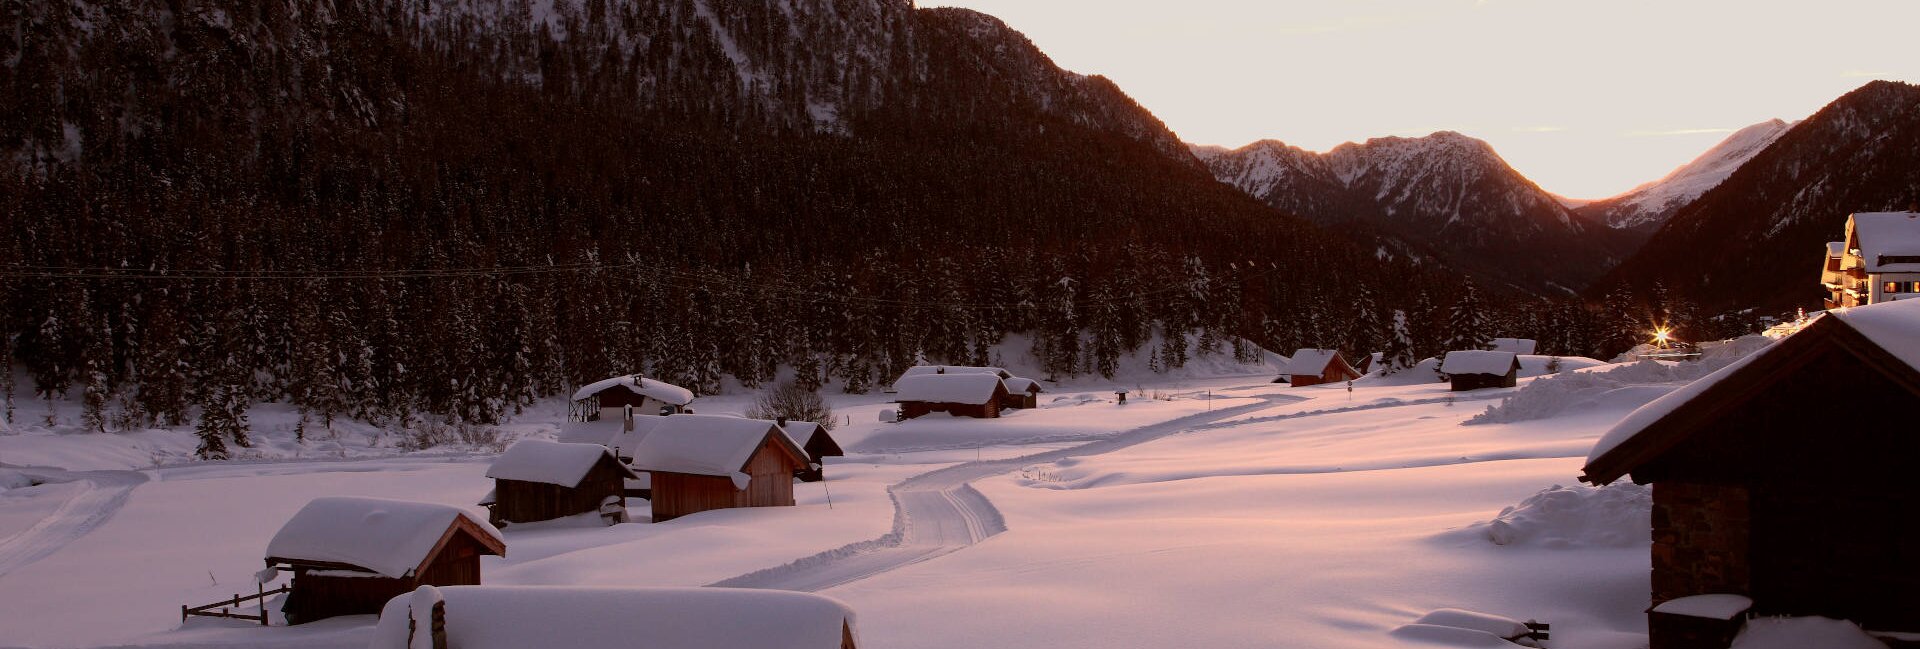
(1399, 354)
(1368, 331)
(211, 430)
(1467, 323)
(96, 357)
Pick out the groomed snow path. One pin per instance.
(106, 492)
(938, 512)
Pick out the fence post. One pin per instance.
(262, 588)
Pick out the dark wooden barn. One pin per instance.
(1474, 369)
(1021, 393)
(960, 395)
(350, 555)
(1785, 478)
(537, 480)
(819, 445)
(701, 462)
(1316, 366)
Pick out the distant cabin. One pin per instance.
(537, 480)
(960, 395)
(612, 398)
(518, 617)
(1520, 346)
(1021, 393)
(819, 445)
(350, 555)
(701, 462)
(1316, 366)
(1473, 369)
(1787, 477)
(1879, 260)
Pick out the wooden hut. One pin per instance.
(960, 395)
(1316, 366)
(1021, 393)
(517, 617)
(923, 370)
(812, 438)
(1473, 369)
(537, 480)
(701, 462)
(621, 396)
(350, 555)
(1785, 478)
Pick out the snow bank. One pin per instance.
(1704, 373)
(1553, 396)
(1803, 633)
(1617, 515)
(514, 617)
(1624, 385)
(390, 537)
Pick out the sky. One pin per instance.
(1588, 98)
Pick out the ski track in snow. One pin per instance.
(106, 493)
(939, 512)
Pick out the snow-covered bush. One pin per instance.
(794, 402)
(1617, 515)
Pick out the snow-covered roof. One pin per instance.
(1478, 361)
(515, 617)
(971, 389)
(1836, 248)
(801, 431)
(390, 537)
(1017, 384)
(715, 445)
(599, 431)
(1888, 234)
(1893, 326)
(550, 462)
(920, 370)
(1310, 361)
(1521, 346)
(664, 392)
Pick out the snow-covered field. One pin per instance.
(1208, 511)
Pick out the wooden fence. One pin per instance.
(224, 605)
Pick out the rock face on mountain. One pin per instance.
(1647, 207)
(1446, 193)
(1752, 240)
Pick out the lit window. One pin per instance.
(1893, 287)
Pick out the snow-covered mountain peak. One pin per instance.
(1649, 205)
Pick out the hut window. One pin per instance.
(1895, 287)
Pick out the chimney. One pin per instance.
(782, 420)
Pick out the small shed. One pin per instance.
(1520, 346)
(350, 555)
(1021, 393)
(1473, 369)
(1316, 366)
(537, 480)
(960, 395)
(517, 617)
(701, 462)
(812, 438)
(610, 398)
(1786, 477)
